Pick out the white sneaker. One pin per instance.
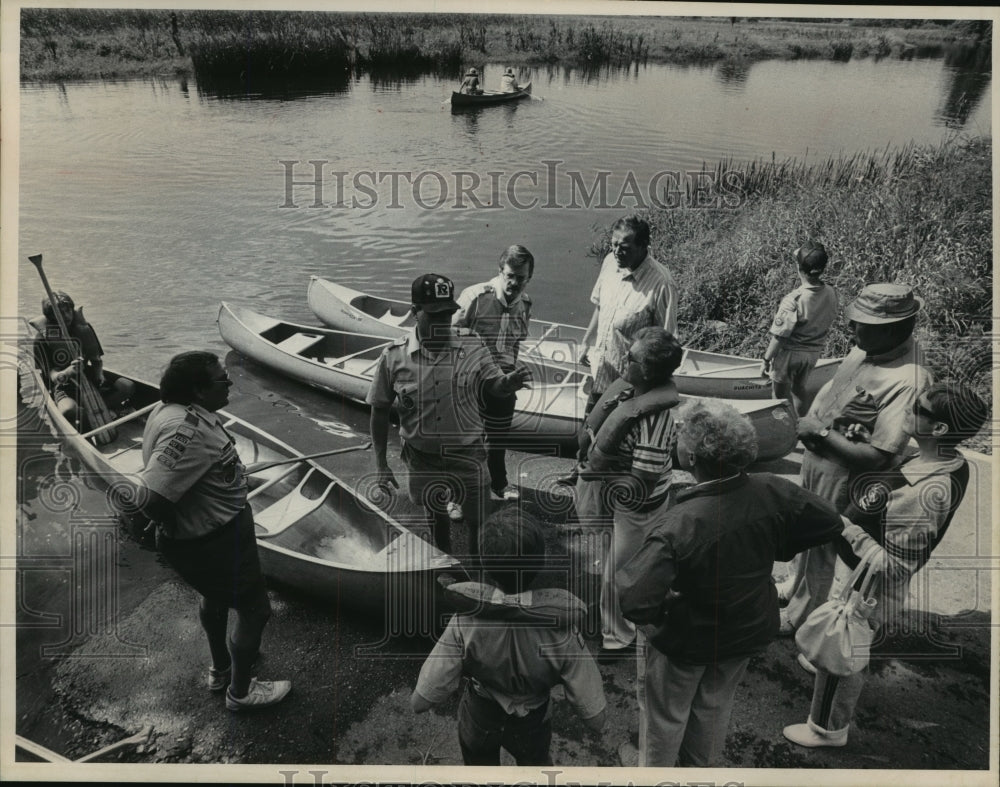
(455, 513)
(509, 492)
(805, 735)
(261, 694)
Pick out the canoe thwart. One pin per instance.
(298, 343)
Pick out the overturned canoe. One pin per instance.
(547, 414)
(701, 373)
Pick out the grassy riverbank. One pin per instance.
(921, 215)
(58, 44)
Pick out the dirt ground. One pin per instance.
(925, 708)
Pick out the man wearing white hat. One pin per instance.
(872, 392)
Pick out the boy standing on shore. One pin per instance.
(800, 327)
(513, 647)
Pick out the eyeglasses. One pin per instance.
(225, 380)
(631, 358)
(920, 409)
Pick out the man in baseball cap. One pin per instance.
(433, 293)
(856, 424)
(434, 377)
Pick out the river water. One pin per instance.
(154, 199)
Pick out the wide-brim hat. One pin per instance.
(472, 73)
(433, 293)
(878, 304)
(509, 72)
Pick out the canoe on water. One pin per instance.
(314, 532)
(701, 373)
(548, 413)
(489, 97)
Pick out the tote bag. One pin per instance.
(837, 637)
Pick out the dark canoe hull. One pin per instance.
(701, 373)
(550, 412)
(344, 549)
(485, 99)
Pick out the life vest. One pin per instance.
(614, 415)
(83, 339)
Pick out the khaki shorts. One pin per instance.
(793, 366)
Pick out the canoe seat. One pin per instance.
(298, 343)
(286, 511)
(393, 319)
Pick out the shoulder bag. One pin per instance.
(837, 637)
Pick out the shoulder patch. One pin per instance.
(166, 461)
(190, 416)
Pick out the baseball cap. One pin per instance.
(433, 293)
(883, 303)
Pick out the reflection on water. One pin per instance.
(189, 199)
(968, 78)
(733, 73)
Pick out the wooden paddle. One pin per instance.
(91, 405)
(256, 467)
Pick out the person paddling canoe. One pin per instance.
(470, 85)
(61, 361)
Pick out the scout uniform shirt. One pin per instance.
(876, 391)
(804, 317)
(190, 459)
(502, 326)
(629, 300)
(436, 394)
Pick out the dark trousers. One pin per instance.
(497, 412)
(483, 727)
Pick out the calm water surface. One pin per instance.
(152, 200)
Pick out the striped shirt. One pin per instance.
(629, 300)
(650, 446)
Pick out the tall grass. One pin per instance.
(62, 43)
(920, 215)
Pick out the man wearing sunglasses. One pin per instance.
(874, 390)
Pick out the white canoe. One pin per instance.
(701, 373)
(314, 532)
(548, 413)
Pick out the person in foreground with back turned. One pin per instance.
(193, 485)
(435, 376)
(62, 361)
(906, 512)
(514, 644)
(700, 586)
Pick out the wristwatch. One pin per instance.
(823, 432)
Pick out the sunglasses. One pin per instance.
(225, 380)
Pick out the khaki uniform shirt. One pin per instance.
(804, 317)
(628, 301)
(436, 394)
(876, 390)
(190, 459)
(502, 326)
